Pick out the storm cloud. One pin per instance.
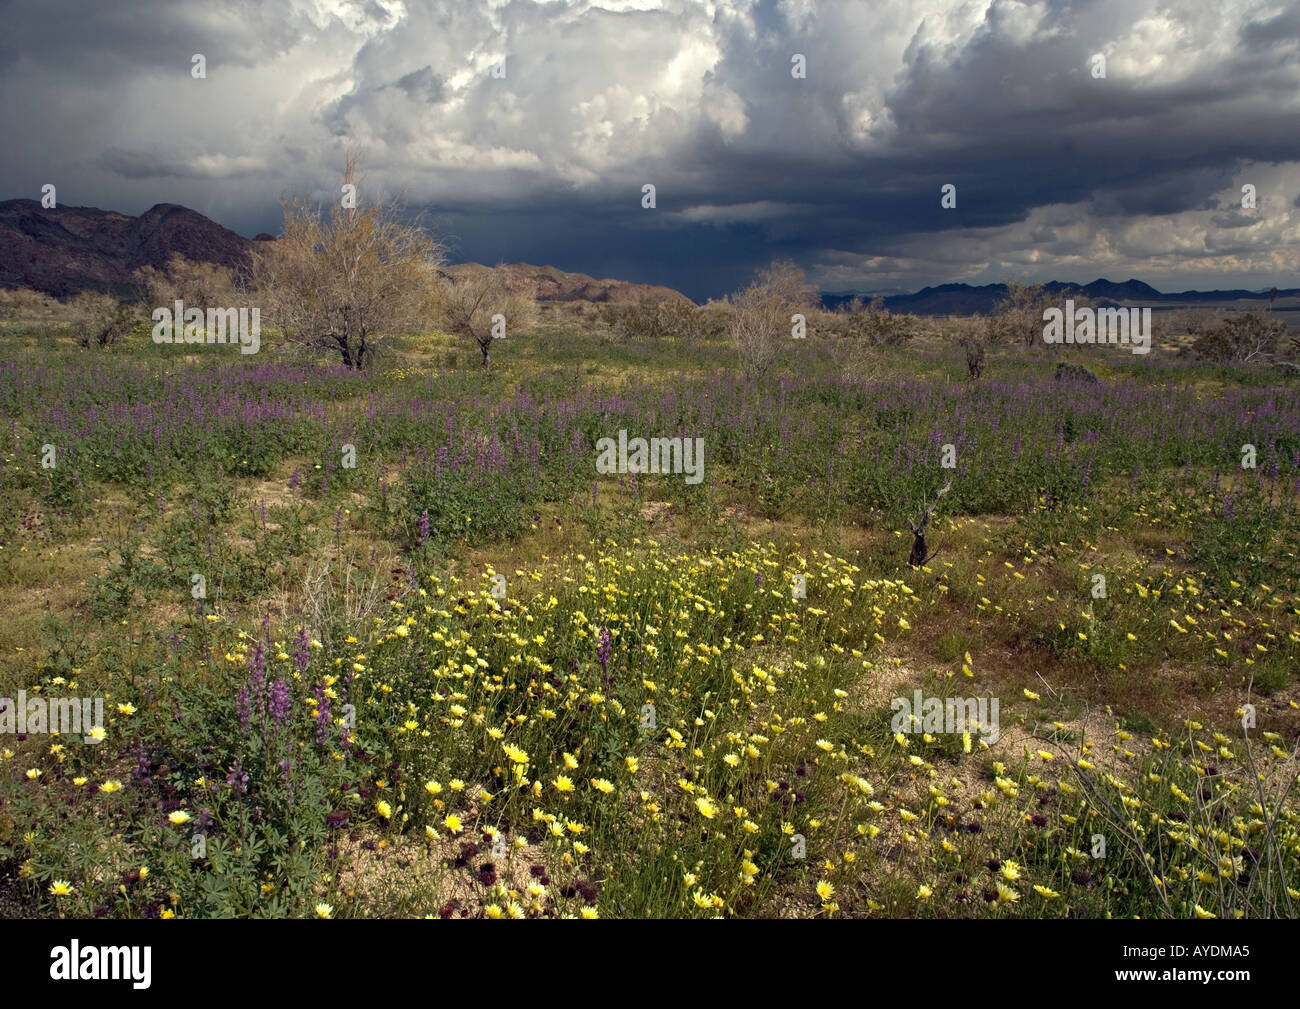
(1059, 174)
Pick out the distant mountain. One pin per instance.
(964, 299)
(68, 249)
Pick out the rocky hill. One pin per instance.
(68, 249)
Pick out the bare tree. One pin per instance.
(346, 281)
(1241, 338)
(481, 305)
(919, 557)
(761, 314)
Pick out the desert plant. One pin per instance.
(481, 305)
(199, 285)
(23, 302)
(1019, 315)
(99, 320)
(761, 319)
(661, 319)
(1065, 371)
(344, 282)
(1241, 338)
(1187, 321)
(874, 325)
(975, 342)
(919, 556)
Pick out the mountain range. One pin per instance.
(63, 250)
(965, 299)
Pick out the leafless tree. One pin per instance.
(345, 281)
(760, 323)
(481, 304)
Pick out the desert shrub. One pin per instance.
(389, 287)
(661, 320)
(199, 285)
(975, 342)
(99, 320)
(1241, 338)
(760, 326)
(1065, 371)
(482, 306)
(1018, 317)
(874, 325)
(23, 302)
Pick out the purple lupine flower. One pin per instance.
(302, 651)
(257, 667)
(603, 648)
(243, 705)
(281, 700)
(237, 779)
(424, 527)
(256, 693)
(295, 478)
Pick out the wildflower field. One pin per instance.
(384, 643)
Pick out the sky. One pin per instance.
(1059, 173)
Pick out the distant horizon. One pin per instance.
(842, 293)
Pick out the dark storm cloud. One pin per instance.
(1058, 174)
